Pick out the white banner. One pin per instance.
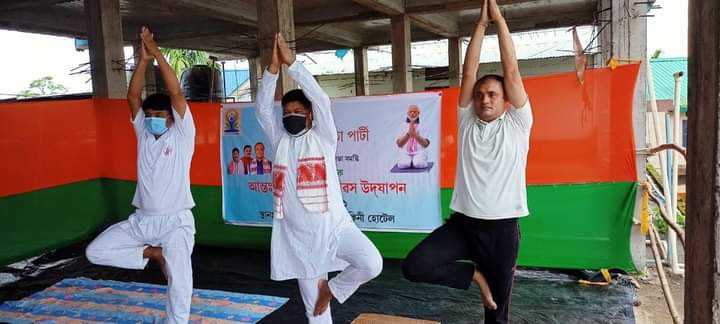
(387, 159)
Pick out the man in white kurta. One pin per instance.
(162, 226)
(307, 245)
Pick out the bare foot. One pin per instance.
(324, 297)
(155, 253)
(485, 293)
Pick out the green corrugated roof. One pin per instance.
(663, 70)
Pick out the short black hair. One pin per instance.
(246, 147)
(235, 149)
(486, 77)
(157, 101)
(299, 96)
(259, 143)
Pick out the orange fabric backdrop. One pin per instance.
(119, 149)
(46, 143)
(582, 133)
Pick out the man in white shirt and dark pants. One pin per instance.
(162, 227)
(312, 232)
(490, 187)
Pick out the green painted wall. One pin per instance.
(38, 221)
(571, 226)
(579, 226)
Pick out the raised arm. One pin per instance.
(137, 81)
(323, 122)
(171, 82)
(514, 88)
(472, 58)
(264, 104)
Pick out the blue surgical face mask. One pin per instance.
(156, 125)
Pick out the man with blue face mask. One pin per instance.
(162, 227)
(312, 232)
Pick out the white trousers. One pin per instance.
(122, 246)
(417, 160)
(365, 264)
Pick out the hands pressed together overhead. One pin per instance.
(148, 49)
(282, 54)
(490, 12)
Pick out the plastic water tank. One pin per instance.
(197, 80)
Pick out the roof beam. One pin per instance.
(237, 11)
(522, 24)
(338, 11)
(435, 23)
(330, 34)
(218, 45)
(439, 24)
(8, 5)
(245, 13)
(387, 7)
(57, 21)
(435, 6)
(179, 31)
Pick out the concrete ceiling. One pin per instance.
(229, 27)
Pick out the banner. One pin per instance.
(387, 159)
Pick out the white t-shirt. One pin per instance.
(163, 166)
(490, 177)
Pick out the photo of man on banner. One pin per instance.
(260, 165)
(412, 145)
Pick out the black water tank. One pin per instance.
(159, 86)
(196, 82)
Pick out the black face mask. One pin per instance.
(295, 124)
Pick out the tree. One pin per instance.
(43, 87)
(181, 59)
(657, 53)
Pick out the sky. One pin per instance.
(26, 57)
(668, 29)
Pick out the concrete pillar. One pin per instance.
(454, 61)
(625, 36)
(256, 71)
(105, 39)
(702, 258)
(362, 79)
(605, 40)
(275, 16)
(401, 59)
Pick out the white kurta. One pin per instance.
(304, 245)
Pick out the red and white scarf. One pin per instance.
(311, 182)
